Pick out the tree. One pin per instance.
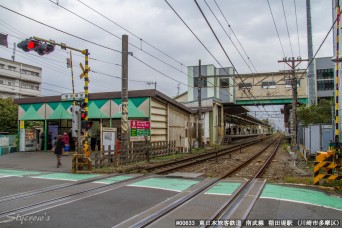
(8, 116)
(315, 114)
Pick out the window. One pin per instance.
(204, 82)
(11, 68)
(224, 83)
(325, 85)
(245, 85)
(288, 83)
(10, 83)
(2, 66)
(325, 73)
(2, 82)
(268, 85)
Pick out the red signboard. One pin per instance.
(138, 124)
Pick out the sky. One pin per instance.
(162, 46)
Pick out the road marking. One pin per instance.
(17, 173)
(301, 195)
(169, 184)
(113, 179)
(66, 176)
(1, 176)
(223, 188)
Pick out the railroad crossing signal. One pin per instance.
(36, 45)
(87, 124)
(75, 128)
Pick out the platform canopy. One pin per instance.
(237, 114)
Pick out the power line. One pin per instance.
(160, 72)
(49, 26)
(112, 76)
(238, 40)
(320, 46)
(91, 8)
(196, 37)
(129, 43)
(294, 2)
(237, 73)
(275, 25)
(228, 36)
(23, 55)
(287, 27)
(149, 54)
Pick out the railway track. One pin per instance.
(159, 169)
(239, 204)
(185, 162)
(65, 198)
(30, 208)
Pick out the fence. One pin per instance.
(7, 143)
(140, 153)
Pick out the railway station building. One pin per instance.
(220, 115)
(169, 119)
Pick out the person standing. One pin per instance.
(66, 139)
(59, 149)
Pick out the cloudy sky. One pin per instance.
(159, 39)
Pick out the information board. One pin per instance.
(139, 129)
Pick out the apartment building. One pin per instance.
(19, 80)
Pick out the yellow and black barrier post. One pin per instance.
(325, 165)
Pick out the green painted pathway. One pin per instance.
(301, 195)
(223, 188)
(17, 173)
(113, 179)
(66, 176)
(170, 184)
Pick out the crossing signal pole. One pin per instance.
(293, 63)
(42, 47)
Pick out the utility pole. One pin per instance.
(155, 84)
(124, 97)
(310, 75)
(13, 56)
(293, 63)
(199, 105)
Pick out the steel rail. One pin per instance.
(233, 200)
(58, 199)
(162, 212)
(51, 188)
(200, 158)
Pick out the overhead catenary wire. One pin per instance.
(275, 26)
(295, 6)
(228, 36)
(238, 40)
(237, 73)
(319, 48)
(287, 26)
